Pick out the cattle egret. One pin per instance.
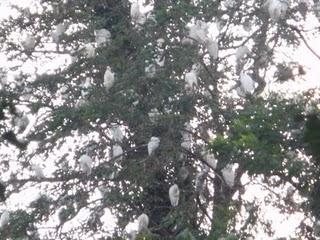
(102, 36)
(135, 11)
(229, 175)
(277, 8)
(86, 164)
(242, 52)
(108, 79)
(4, 219)
(191, 80)
(143, 222)
(199, 31)
(150, 70)
(117, 151)
(153, 145)
(247, 84)
(38, 172)
(174, 193)
(89, 50)
(56, 34)
(116, 132)
(213, 48)
(28, 43)
(210, 159)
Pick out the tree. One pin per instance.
(105, 107)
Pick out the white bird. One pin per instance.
(89, 50)
(277, 8)
(247, 84)
(153, 144)
(28, 43)
(116, 132)
(174, 194)
(150, 70)
(242, 52)
(56, 34)
(143, 222)
(102, 36)
(210, 159)
(108, 79)
(4, 219)
(199, 31)
(135, 11)
(213, 48)
(229, 175)
(117, 151)
(38, 172)
(86, 164)
(191, 80)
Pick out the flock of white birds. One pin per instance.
(198, 33)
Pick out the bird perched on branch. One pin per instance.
(174, 194)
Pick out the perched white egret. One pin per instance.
(242, 52)
(102, 36)
(210, 159)
(86, 164)
(56, 34)
(199, 31)
(229, 175)
(135, 11)
(117, 151)
(143, 222)
(4, 219)
(247, 84)
(28, 43)
(153, 144)
(277, 8)
(213, 48)
(150, 70)
(174, 194)
(108, 79)
(191, 80)
(116, 132)
(89, 50)
(38, 172)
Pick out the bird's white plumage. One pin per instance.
(135, 13)
(28, 42)
(210, 159)
(174, 194)
(153, 145)
(242, 52)
(143, 222)
(90, 50)
(191, 80)
(199, 31)
(108, 79)
(56, 34)
(117, 151)
(116, 132)
(277, 8)
(38, 172)
(86, 164)
(4, 219)
(213, 48)
(229, 175)
(102, 36)
(247, 84)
